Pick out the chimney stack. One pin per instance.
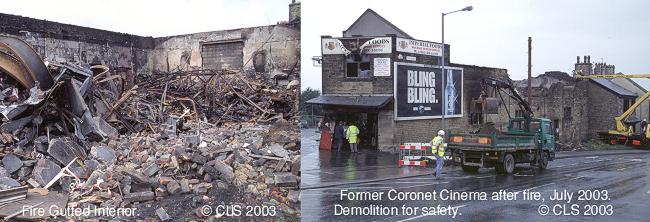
(294, 10)
(578, 59)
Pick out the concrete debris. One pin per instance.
(44, 171)
(139, 196)
(225, 171)
(162, 214)
(151, 170)
(8, 182)
(285, 179)
(63, 150)
(294, 196)
(103, 154)
(173, 187)
(185, 186)
(12, 163)
(278, 150)
(3, 172)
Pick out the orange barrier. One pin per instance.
(414, 154)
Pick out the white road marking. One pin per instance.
(522, 175)
(591, 157)
(578, 177)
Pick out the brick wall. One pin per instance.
(222, 55)
(334, 80)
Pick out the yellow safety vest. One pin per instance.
(352, 134)
(437, 146)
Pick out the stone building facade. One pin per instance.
(580, 108)
(354, 89)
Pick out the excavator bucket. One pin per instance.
(491, 105)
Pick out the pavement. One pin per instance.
(623, 174)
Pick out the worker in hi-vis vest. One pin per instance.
(352, 136)
(438, 150)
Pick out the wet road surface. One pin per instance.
(624, 174)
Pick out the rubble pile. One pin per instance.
(217, 97)
(93, 137)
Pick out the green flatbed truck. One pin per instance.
(528, 140)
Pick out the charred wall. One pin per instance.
(266, 49)
(58, 42)
(274, 50)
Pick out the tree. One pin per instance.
(309, 112)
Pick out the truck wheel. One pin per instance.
(508, 164)
(544, 161)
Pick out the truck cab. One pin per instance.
(541, 127)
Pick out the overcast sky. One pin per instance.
(495, 33)
(155, 17)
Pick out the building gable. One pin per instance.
(372, 24)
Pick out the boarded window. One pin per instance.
(357, 66)
(567, 113)
(222, 55)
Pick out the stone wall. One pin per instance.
(57, 42)
(603, 107)
(558, 97)
(271, 49)
(580, 108)
(334, 80)
(643, 111)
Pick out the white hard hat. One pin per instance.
(441, 132)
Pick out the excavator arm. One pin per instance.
(514, 94)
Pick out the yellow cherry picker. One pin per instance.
(624, 132)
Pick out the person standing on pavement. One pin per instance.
(438, 150)
(339, 135)
(352, 136)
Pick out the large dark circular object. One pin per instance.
(19, 60)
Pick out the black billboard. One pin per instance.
(418, 91)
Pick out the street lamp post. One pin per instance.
(444, 97)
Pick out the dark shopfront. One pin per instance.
(362, 111)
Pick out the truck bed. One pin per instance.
(497, 142)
